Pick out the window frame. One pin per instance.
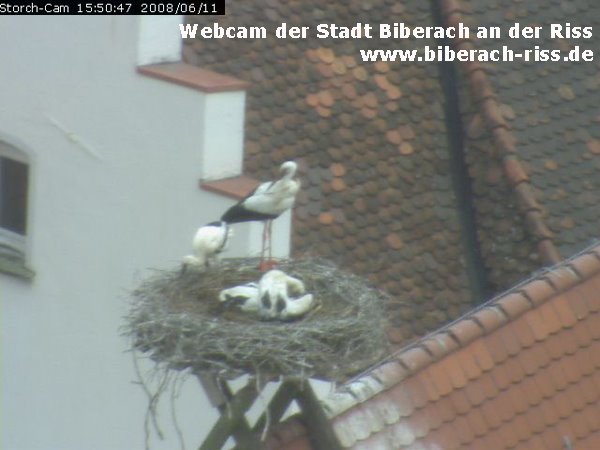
(14, 246)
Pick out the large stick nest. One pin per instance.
(178, 320)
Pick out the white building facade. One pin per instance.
(113, 159)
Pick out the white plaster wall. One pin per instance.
(115, 163)
(156, 41)
(223, 135)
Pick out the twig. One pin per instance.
(152, 403)
(176, 385)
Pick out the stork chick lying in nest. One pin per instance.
(276, 296)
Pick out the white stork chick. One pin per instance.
(296, 307)
(267, 202)
(208, 242)
(274, 291)
(244, 296)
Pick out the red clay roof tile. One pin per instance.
(536, 443)
(511, 342)
(475, 392)
(564, 428)
(520, 427)
(514, 304)
(562, 278)
(545, 384)
(568, 343)
(582, 334)
(522, 332)
(490, 318)
(594, 354)
(477, 423)
(576, 396)
(415, 358)
(588, 390)
(401, 434)
(552, 439)
(514, 370)
(357, 421)
(562, 405)
(585, 358)
(593, 326)
(585, 265)
(530, 361)
(488, 410)
(439, 346)
(467, 434)
(465, 331)
(510, 437)
(481, 355)
(550, 317)
(502, 375)
(554, 345)
(596, 379)
(390, 373)
(557, 375)
(432, 391)
(446, 437)
(592, 287)
(453, 370)
(549, 413)
(578, 425)
(533, 393)
(564, 311)
(420, 422)
(578, 301)
(538, 291)
(446, 409)
(460, 402)
(538, 326)
(440, 380)
(495, 347)
(468, 364)
(591, 442)
(535, 419)
(387, 409)
(488, 386)
(517, 398)
(505, 408)
(402, 399)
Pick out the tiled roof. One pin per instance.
(371, 140)
(378, 198)
(520, 372)
(538, 124)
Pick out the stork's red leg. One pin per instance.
(267, 264)
(264, 241)
(270, 241)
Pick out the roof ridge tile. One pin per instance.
(585, 265)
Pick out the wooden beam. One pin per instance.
(233, 421)
(278, 405)
(320, 431)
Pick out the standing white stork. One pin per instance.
(267, 202)
(208, 242)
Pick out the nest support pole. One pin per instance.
(233, 407)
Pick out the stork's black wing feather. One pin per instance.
(237, 214)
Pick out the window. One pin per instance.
(14, 183)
